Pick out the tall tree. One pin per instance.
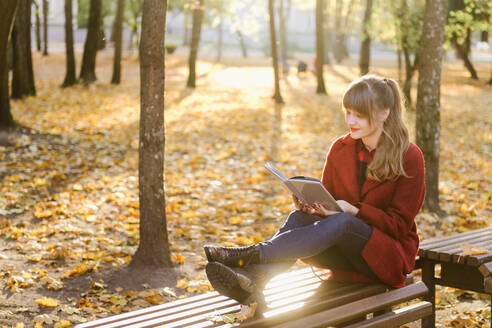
(153, 248)
(38, 25)
(88, 69)
(8, 13)
(118, 40)
(219, 37)
(70, 77)
(428, 118)
(186, 38)
(340, 51)
(283, 16)
(195, 42)
(273, 43)
(319, 47)
(244, 50)
(237, 28)
(45, 26)
(365, 48)
(408, 20)
(132, 19)
(327, 32)
(466, 16)
(22, 72)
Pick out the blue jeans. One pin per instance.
(335, 242)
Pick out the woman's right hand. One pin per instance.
(301, 206)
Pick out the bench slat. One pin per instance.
(442, 252)
(177, 314)
(486, 269)
(396, 318)
(213, 296)
(462, 237)
(358, 308)
(346, 294)
(457, 255)
(198, 318)
(487, 285)
(478, 260)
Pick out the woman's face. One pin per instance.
(358, 124)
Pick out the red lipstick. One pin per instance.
(354, 129)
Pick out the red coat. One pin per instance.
(389, 207)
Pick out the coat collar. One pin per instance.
(349, 164)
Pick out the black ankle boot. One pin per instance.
(233, 256)
(231, 283)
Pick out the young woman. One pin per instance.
(377, 176)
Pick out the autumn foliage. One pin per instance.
(69, 189)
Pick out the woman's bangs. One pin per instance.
(357, 98)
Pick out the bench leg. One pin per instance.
(428, 279)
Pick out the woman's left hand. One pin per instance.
(347, 207)
(321, 210)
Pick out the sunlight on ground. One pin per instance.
(77, 180)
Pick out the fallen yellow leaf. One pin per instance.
(47, 301)
(473, 250)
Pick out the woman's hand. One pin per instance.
(321, 210)
(301, 206)
(347, 207)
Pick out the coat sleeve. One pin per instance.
(327, 176)
(397, 219)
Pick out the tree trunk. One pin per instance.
(282, 30)
(88, 69)
(428, 118)
(345, 28)
(8, 13)
(195, 41)
(153, 249)
(70, 77)
(484, 36)
(134, 36)
(38, 26)
(327, 33)
(186, 38)
(45, 27)
(365, 48)
(118, 40)
(219, 39)
(22, 72)
(409, 72)
(242, 44)
(101, 37)
(319, 48)
(463, 55)
(398, 56)
(273, 43)
(338, 50)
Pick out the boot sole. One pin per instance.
(226, 281)
(207, 252)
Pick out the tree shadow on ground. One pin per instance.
(336, 73)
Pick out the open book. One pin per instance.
(309, 190)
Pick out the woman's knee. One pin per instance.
(344, 222)
(353, 225)
(298, 219)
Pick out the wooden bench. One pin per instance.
(458, 270)
(293, 299)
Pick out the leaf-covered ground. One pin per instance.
(69, 198)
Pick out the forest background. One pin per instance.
(69, 204)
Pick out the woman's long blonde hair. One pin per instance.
(368, 96)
